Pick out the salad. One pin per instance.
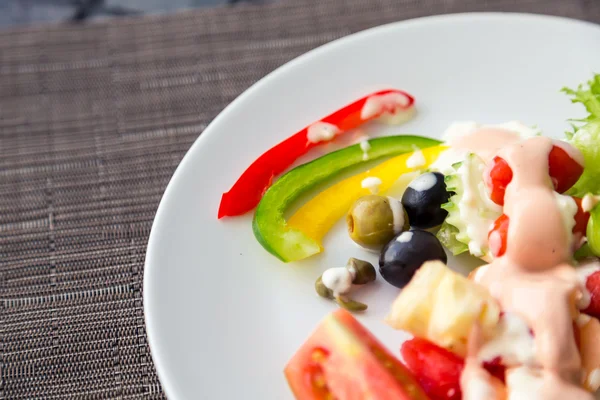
(524, 325)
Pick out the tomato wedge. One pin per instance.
(341, 360)
(437, 369)
(563, 169)
(498, 235)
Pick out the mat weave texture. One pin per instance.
(93, 121)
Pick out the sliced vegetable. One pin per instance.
(437, 369)
(582, 218)
(592, 284)
(342, 360)
(291, 243)
(498, 236)
(317, 216)
(499, 177)
(586, 136)
(563, 169)
(249, 188)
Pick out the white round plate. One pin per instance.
(223, 315)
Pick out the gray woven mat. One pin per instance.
(93, 121)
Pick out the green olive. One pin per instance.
(371, 221)
(323, 290)
(365, 272)
(350, 304)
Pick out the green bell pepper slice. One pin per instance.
(269, 225)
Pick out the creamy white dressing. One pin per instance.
(371, 183)
(423, 182)
(567, 208)
(589, 201)
(445, 161)
(534, 278)
(365, 146)
(593, 379)
(338, 280)
(416, 159)
(512, 341)
(397, 118)
(479, 273)
(321, 132)
(477, 212)
(479, 388)
(405, 237)
(397, 214)
(583, 272)
(524, 383)
(389, 102)
(582, 320)
(457, 130)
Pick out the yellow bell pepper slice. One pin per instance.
(317, 216)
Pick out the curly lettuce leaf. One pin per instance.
(588, 95)
(470, 211)
(586, 136)
(447, 236)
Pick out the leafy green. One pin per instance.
(588, 95)
(470, 212)
(586, 136)
(447, 236)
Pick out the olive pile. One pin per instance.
(396, 228)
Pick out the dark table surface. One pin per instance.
(94, 118)
(28, 12)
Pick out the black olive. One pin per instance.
(423, 200)
(405, 253)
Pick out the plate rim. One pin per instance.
(149, 266)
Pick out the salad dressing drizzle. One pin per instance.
(534, 278)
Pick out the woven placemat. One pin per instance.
(93, 121)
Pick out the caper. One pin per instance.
(364, 272)
(374, 220)
(350, 304)
(323, 290)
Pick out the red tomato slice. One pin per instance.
(341, 360)
(437, 369)
(562, 168)
(500, 176)
(498, 236)
(581, 219)
(592, 284)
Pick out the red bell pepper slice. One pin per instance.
(251, 185)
